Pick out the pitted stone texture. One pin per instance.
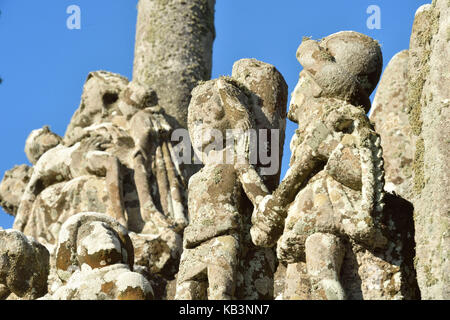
(159, 254)
(389, 114)
(429, 99)
(13, 186)
(381, 274)
(24, 266)
(99, 102)
(345, 65)
(268, 99)
(114, 282)
(40, 141)
(331, 200)
(173, 50)
(94, 260)
(218, 260)
(94, 239)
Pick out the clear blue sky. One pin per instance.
(43, 64)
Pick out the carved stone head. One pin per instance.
(94, 239)
(346, 65)
(216, 106)
(136, 97)
(40, 141)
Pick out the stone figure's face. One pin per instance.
(208, 122)
(98, 98)
(305, 92)
(98, 245)
(345, 65)
(136, 97)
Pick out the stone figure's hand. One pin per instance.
(268, 222)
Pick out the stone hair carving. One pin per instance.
(94, 259)
(24, 266)
(335, 183)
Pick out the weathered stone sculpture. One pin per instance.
(333, 191)
(153, 156)
(212, 239)
(63, 163)
(13, 186)
(216, 258)
(429, 100)
(40, 141)
(94, 259)
(389, 114)
(24, 266)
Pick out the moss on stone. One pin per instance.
(416, 85)
(418, 166)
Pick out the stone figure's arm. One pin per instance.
(297, 175)
(344, 164)
(252, 183)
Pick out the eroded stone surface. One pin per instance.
(389, 114)
(13, 186)
(218, 260)
(24, 266)
(428, 97)
(94, 261)
(40, 141)
(331, 200)
(171, 56)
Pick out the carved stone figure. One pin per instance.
(214, 240)
(13, 186)
(40, 141)
(153, 160)
(24, 266)
(63, 163)
(94, 260)
(335, 182)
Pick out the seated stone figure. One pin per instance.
(152, 160)
(85, 157)
(212, 240)
(333, 190)
(91, 146)
(24, 266)
(94, 260)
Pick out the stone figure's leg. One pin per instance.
(192, 283)
(291, 245)
(324, 256)
(191, 290)
(114, 183)
(222, 264)
(163, 183)
(175, 189)
(149, 212)
(101, 163)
